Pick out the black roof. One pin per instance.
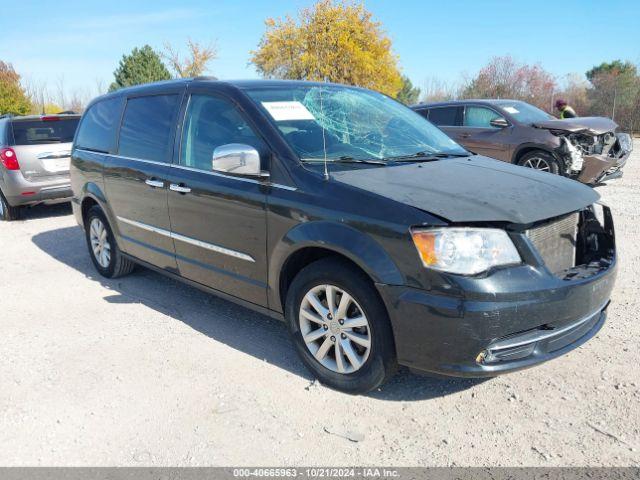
(241, 84)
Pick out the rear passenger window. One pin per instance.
(444, 116)
(146, 127)
(98, 127)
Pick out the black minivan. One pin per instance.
(379, 240)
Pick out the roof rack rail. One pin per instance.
(7, 115)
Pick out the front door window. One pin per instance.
(210, 123)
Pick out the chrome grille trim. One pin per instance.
(556, 242)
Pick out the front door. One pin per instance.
(479, 136)
(218, 221)
(136, 179)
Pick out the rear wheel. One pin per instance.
(104, 251)
(340, 326)
(542, 161)
(7, 212)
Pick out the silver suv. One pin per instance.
(34, 161)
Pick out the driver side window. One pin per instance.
(479, 117)
(211, 122)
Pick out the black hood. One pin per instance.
(474, 189)
(591, 125)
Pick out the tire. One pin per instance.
(375, 364)
(7, 212)
(111, 264)
(540, 158)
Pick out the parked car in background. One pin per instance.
(374, 235)
(587, 149)
(34, 161)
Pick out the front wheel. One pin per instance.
(340, 327)
(542, 161)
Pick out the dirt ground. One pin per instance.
(147, 371)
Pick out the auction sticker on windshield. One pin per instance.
(283, 111)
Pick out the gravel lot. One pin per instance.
(147, 371)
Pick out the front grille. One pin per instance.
(555, 241)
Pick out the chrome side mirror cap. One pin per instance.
(237, 159)
(499, 122)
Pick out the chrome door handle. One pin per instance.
(154, 183)
(179, 188)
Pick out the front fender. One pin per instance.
(340, 238)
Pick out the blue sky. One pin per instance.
(82, 41)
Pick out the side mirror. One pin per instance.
(237, 159)
(499, 122)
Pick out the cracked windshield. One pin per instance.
(351, 125)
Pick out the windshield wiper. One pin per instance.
(425, 156)
(345, 159)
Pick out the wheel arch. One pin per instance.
(525, 148)
(309, 242)
(92, 195)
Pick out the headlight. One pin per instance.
(575, 155)
(466, 251)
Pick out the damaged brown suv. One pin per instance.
(587, 149)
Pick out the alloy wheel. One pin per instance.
(537, 163)
(100, 245)
(335, 329)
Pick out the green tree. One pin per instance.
(336, 42)
(142, 65)
(617, 67)
(615, 93)
(408, 94)
(13, 98)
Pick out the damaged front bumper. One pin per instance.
(595, 168)
(514, 318)
(598, 168)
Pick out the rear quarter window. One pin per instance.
(98, 127)
(37, 132)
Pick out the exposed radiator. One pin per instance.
(556, 242)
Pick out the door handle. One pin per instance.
(154, 183)
(465, 135)
(179, 188)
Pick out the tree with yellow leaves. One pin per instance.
(336, 42)
(195, 64)
(13, 98)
